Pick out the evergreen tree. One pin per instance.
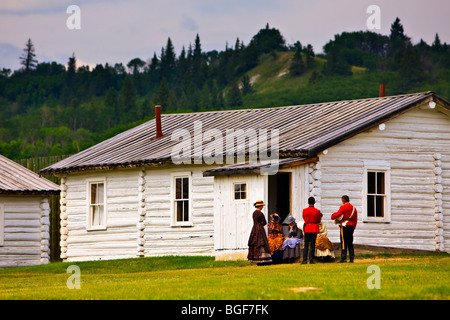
(71, 69)
(205, 97)
(163, 95)
(153, 71)
(297, 65)
(436, 43)
(168, 61)
(234, 97)
(246, 85)
(111, 104)
(198, 66)
(127, 98)
(197, 48)
(410, 68)
(397, 31)
(309, 53)
(398, 41)
(28, 59)
(67, 91)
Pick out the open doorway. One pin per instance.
(279, 196)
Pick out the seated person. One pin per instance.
(324, 247)
(291, 245)
(275, 237)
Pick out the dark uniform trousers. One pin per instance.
(310, 243)
(347, 242)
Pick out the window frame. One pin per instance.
(240, 191)
(173, 200)
(103, 223)
(384, 168)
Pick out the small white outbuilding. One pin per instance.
(24, 215)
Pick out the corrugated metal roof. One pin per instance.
(255, 168)
(304, 130)
(15, 178)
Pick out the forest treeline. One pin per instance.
(47, 108)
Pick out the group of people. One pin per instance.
(278, 248)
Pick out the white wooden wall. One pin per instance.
(139, 216)
(416, 145)
(25, 230)
(161, 237)
(120, 237)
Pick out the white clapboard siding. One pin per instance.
(119, 238)
(161, 236)
(25, 230)
(408, 145)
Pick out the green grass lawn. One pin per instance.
(424, 277)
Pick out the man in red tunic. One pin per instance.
(311, 218)
(348, 219)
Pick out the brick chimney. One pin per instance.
(158, 121)
(382, 89)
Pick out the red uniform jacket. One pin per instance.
(347, 209)
(312, 218)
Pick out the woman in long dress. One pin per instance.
(258, 246)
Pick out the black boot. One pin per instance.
(351, 252)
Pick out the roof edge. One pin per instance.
(428, 97)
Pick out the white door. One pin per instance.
(235, 196)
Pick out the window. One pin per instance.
(181, 203)
(240, 191)
(376, 201)
(96, 201)
(376, 195)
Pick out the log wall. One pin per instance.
(24, 233)
(120, 237)
(416, 148)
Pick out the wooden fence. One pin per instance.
(35, 165)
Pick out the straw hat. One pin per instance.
(259, 203)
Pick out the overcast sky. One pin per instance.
(117, 31)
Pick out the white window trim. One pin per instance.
(2, 224)
(102, 226)
(246, 190)
(382, 167)
(173, 213)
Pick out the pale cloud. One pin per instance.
(189, 23)
(24, 7)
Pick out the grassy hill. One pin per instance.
(275, 86)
